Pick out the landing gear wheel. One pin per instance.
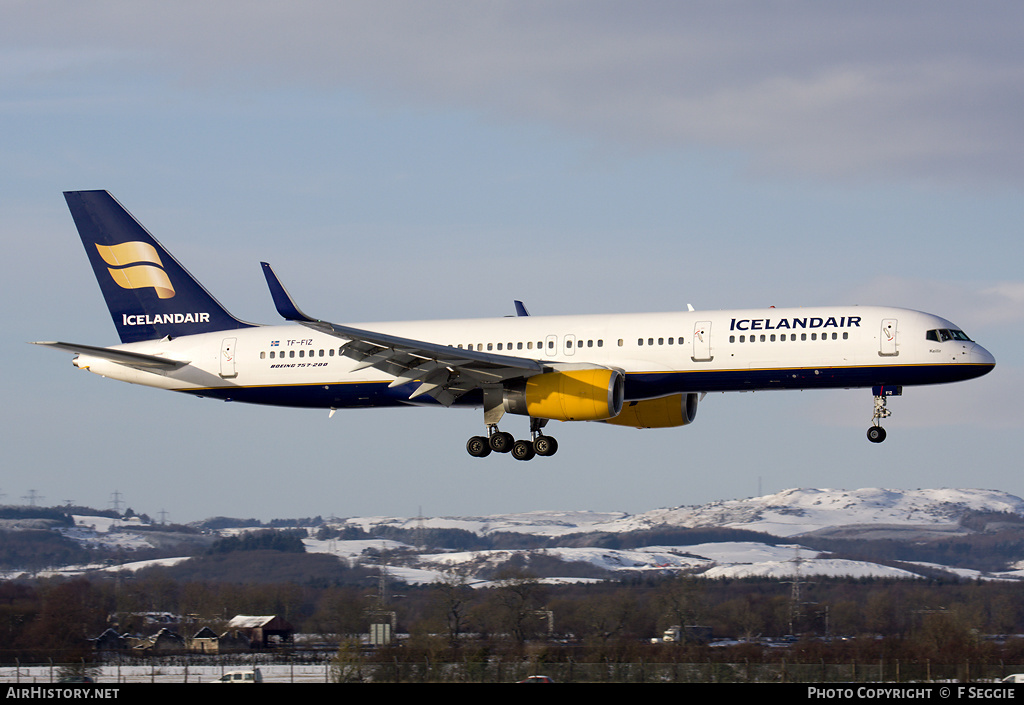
(478, 447)
(501, 442)
(876, 434)
(545, 445)
(523, 450)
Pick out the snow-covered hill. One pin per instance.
(791, 514)
(797, 512)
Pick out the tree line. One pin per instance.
(942, 621)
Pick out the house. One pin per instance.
(110, 640)
(261, 631)
(163, 640)
(205, 641)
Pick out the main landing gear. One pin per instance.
(502, 442)
(876, 434)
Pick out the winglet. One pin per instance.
(282, 300)
(520, 309)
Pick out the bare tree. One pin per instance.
(453, 595)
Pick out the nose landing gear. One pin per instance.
(876, 434)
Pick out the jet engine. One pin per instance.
(591, 394)
(664, 412)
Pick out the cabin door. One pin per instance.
(227, 357)
(550, 346)
(570, 344)
(887, 338)
(702, 341)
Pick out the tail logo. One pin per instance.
(136, 265)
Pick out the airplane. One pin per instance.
(646, 370)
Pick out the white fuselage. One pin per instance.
(659, 353)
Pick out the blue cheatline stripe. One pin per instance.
(639, 385)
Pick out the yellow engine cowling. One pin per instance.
(664, 412)
(592, 394)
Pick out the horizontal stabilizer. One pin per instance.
(122, 357)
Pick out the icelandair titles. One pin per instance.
(791, 323)
(158, 318)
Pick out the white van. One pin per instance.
(253, 675)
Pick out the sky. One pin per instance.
(404, 160)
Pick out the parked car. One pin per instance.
(252, 675)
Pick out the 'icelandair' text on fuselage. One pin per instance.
(160, 318)
(790, 323)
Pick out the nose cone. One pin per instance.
(981, 356)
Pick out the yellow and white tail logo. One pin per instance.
(136, 265)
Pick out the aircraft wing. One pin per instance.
(122, 357)
(445, 373)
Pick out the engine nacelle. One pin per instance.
(592, 394)
(664, 412)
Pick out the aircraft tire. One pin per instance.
(545, 445)
(876, 434)
(523, 450)
(501, 442)
(478, 447)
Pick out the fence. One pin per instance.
(365, 670)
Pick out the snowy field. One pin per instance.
(304, 673)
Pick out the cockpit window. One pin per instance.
(941, 335)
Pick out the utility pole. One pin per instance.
(794, 594)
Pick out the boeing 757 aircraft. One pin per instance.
(641, 370)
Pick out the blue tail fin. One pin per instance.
(149, 294)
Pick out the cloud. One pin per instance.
(1005, 303)
(869, 91)
(979, 306)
